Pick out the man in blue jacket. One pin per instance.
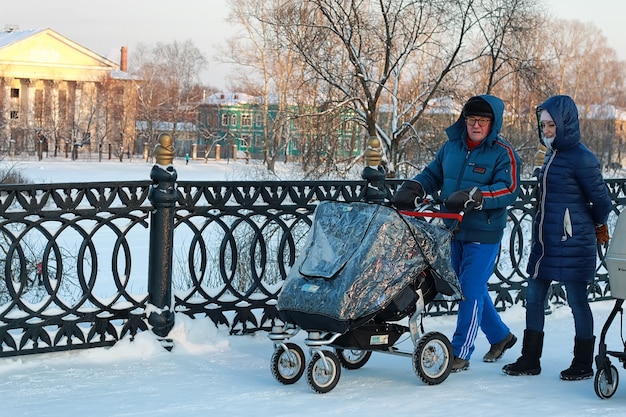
(478, 171)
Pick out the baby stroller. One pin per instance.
(363, 269)
(607, 378)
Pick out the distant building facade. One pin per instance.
(603, 130)
(57, 97)
(231, 123)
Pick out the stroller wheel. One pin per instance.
(432, 358)
(352, 358)
(288, 364)
(323, 372)
(605, 389)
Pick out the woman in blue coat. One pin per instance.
(573, 205)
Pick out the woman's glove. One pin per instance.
(602, 234)
(408, 196)
(461, 200)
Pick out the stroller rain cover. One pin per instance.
(357, 257)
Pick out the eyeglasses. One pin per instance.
(471, 121)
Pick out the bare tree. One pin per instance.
(504, 27)
(366, 51)
(584, 67)
(270, 70)
(513, 61)
(169, 88)
(401, 67)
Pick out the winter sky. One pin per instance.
(104, 27)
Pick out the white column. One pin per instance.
(6, 83)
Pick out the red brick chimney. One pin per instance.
(124, 59)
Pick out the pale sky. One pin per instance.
(104, 27)
(607, 15)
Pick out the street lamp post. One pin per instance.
(163, 196)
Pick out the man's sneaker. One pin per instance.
(459, 364)
(499, 348)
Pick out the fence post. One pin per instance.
(162, 195)
(374, 172)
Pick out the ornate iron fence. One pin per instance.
(74, 257)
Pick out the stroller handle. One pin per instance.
(455, 216)
(420, 212)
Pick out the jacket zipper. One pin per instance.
(462, 171)
(542, 204)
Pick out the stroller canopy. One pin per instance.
(357, 257)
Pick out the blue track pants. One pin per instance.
(474, 264)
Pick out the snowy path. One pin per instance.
(210, 373)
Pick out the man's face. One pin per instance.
(477, 127)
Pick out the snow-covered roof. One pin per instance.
(444, 105)
(11, 36)
(231, 99)
(122, 75)
(602, 112)
(438, 105)
(234, 99)
(166, 126)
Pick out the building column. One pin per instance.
(78, 106)
(4, 108)
(29, 122)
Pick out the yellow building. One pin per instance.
(58, 97)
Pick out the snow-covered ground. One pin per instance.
(60, 169)
(210, 373)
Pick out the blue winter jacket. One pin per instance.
(572, 198)
(493, 166)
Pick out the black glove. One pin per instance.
(408, 196)
(461, 200)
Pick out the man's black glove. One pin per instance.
(464, 199)
(408, 196)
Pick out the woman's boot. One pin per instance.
(528, 363)
(582, 365)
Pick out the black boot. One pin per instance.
(582, 364)
(528, 363)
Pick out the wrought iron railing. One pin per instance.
(74, 257)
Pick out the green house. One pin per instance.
(237, 123)
(234, 121)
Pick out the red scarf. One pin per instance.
(471, 144)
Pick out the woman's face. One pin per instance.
(548, 128)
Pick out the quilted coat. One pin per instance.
(572, 198)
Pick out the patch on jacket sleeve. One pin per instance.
(479, 170)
